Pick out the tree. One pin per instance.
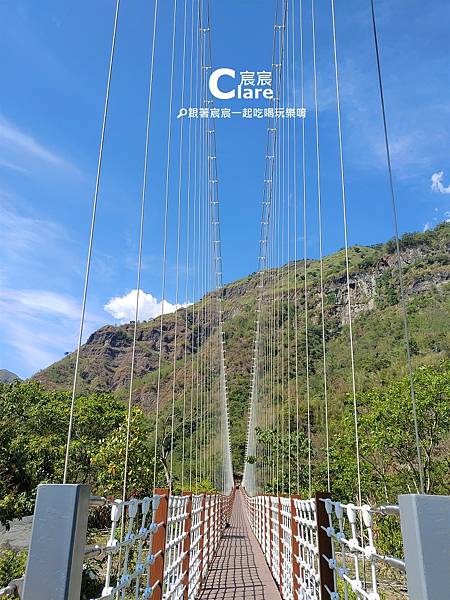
(109, 459)
(389, 464)
(289, 450)
(33, 432)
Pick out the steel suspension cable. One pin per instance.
(288, 243)
(216, 268)
(164, 262)
(192, 184)
(202, 237)
(279, 254)
(178, 242)
(284, 246)
(264, 259)
(295, 199)
(140, 248)
(217, 261)
(319, 215)
(187, 250)
(281, 268)
(397, 250)
(91, 240)
(195, 288)
(347, 267)
(277, 188)
(305, 265)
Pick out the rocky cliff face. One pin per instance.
(368, 286)
(106, 356)
(374, 292)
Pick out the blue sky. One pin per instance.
(53, 67)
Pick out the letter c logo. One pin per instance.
(214, 80)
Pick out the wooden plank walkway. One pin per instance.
(239, 569)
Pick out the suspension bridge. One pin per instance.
(277, 530)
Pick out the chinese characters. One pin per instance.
(245, 113)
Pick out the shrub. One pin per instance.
(12, 565)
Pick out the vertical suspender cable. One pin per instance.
(282, 191)
(166, 215)
(265, 256)
(141, 240)
(397, 248)
(347, 268)
(201, 225)
(280, 245)
(188, 239)
(91, 241)
(319, 213)
(277, 188)
(288, 246)
(193, 472)
(295, 199)
(215, 255)
(177, 259)
(305, 268)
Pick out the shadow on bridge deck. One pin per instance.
(239, 569)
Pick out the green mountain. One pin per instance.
(377, 331)
(8, 377)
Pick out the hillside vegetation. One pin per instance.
(377, 327)
(7, 376)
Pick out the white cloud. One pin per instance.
(427, 226)
(38, 323)
(19, 145)
(123, 308)
(44, 302)
(437, 185)
(40, 285)
(22, 234)
(38, 326)
(13, 167)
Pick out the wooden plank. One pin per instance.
(295, 550)
(280, 544)
(159, 542)
(202, 537)
(325, 547)
(239, 569)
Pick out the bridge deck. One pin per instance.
(239, 569)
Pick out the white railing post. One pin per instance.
(425, 523)
(187, 546)
(58, 539)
